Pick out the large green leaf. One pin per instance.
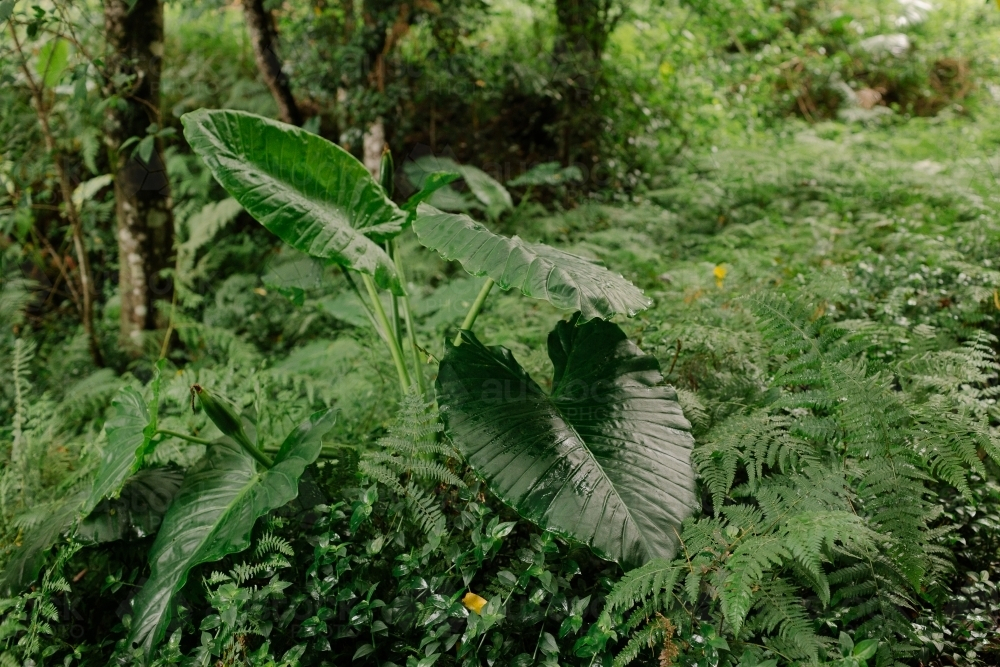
(130, 432)
(138, 510)
(604, 459)
(311, 193)
(565, 280)
(221, 498)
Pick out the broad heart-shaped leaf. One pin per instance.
(604, 459)
(221, 498)
(130, 432)
(540, 271)
(312, 194)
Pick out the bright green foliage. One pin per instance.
(490, 195)
(28, 622)
(603, 459)
(565, 280)
(215, 509)
(309, 192)
(431, 184)
(821, 488)
(408, 461)
(130, 434)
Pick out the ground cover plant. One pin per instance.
(716, 387)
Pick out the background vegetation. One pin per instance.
(806, 190)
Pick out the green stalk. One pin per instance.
(397, 328)
(259, 456)
(477, 305)
(408, 320)
(397, 354)
(364, 304)
(183, 436)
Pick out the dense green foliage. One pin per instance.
(714, 385)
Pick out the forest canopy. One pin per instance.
(490, 332)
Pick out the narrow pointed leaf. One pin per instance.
(221, 498)
(604, 459)
(311, 193)
(540, 271)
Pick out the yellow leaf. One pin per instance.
(473, 602)
(720, 275)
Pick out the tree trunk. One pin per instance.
(583, 27)
(142, 190)
(260, 25)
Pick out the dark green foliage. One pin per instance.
(603, 459)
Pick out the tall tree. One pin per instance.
(583, 28)
(260, 26)
(134, 34)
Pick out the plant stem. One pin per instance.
(258, 455)
(408, 320)
(397, 354)
(397, 328)
(473, 313)
(184, 436)
(361, 299)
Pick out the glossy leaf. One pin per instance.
(604, 459)
(137, 512)
(540, 271)
(221, 498)
(311, 193)
(130, 432)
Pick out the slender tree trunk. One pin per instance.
(86, 276)
(142, 190)
(260, 25)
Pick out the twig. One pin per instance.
(86, 281)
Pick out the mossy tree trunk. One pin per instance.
(145, 226)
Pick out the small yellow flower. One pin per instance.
(720, 275)
(473, 602)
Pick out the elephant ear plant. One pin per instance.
(605, 457)
(199, 515)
